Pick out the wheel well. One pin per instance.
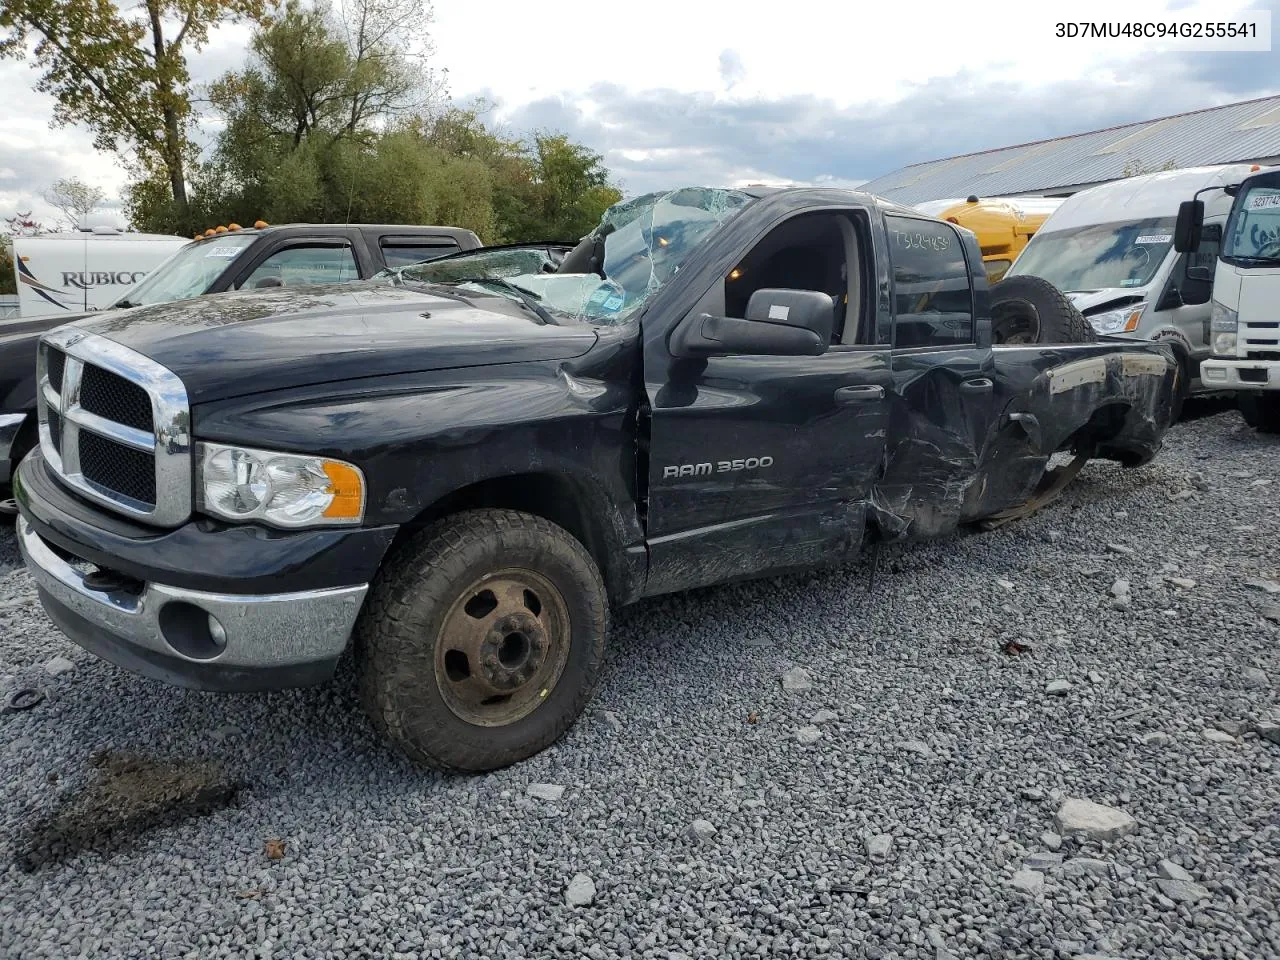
(1102, 425)
(1095, 437)
(550, 496)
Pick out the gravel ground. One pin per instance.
(903, 806)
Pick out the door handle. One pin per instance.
(863, 393)
(980, 385)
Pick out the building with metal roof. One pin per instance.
(1247, 132)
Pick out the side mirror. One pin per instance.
(779, 323)
(268, 282)
(1186, 232)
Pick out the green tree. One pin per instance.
(121, 71)
(8, 281)
(338, 120)
(75, 198)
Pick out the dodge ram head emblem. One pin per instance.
(720, 466)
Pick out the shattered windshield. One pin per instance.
(638, 247)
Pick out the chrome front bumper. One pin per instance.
(209, 641)
(10, 424)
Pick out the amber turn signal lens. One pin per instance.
(347, 488)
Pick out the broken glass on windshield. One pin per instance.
(646, 241)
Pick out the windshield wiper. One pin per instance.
(527, 297)
(125, 304)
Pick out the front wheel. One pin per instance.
(482, 640)
(1261, 411)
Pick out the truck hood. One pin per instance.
(231, 344)
(1090, 300)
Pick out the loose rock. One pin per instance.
(1042, 861)
(581, 891)
(1028, 881)
(1171, 871)
(878, 845)
(1251, 678)
(702, 830)
(1184, 582)
(1120, 588)
(797, 680)
(1182, 891)
(58, 666)
(918, 747)
(545, 791)
(1268, 730)
(1058, 688)
(824, 716)
(808, 736)
(1120, 549)
(1095, 820)
(1051, 840)
(1086, 866)
(1217, 736)
(1267, 586)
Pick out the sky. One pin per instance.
(716, 93)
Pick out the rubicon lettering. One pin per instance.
(677, 471)
(101, 278)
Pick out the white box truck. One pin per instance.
(1245, 320)
(82, 270)
(1110, 250)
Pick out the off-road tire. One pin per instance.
(1022, 302)
(411, 597)
(1261, 410)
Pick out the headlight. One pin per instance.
(1223, 321)
(282, 489)
(1120, 320)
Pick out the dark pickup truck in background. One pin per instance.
(236, 259)
(467, 467)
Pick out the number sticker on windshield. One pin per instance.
(222, 251)
(1264, 201)
(1154, 238)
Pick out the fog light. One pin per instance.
(1214, 373)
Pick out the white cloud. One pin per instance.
(807, 91)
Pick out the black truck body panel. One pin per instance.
(675, 472)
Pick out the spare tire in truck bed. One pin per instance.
(1027, 309)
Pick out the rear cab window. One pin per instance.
(932, 289)
(402, 252)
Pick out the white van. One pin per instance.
(1110, 250)
(88, 269)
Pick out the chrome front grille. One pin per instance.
(115, 426)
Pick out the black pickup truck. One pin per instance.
(465, 468)
(235, 259)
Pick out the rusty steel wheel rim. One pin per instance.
(502, 647)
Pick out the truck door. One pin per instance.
(764, 463)
(945, 394)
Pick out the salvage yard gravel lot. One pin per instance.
(903, 805)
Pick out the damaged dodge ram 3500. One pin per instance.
(461, 469)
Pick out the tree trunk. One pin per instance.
(173, 161)
(172, 152)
